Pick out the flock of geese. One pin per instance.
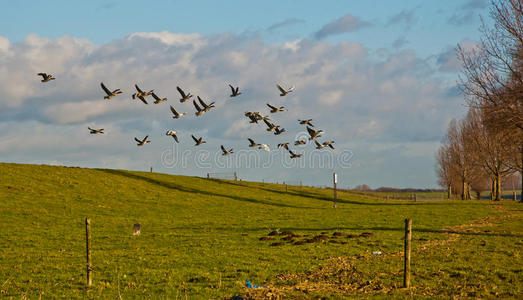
(202, 107)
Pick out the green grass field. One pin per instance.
(201, 239)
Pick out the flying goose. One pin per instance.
(235, 91)
(95, 131)
(205, 106)
(252, 143)
(283, 91)
(329, 143)
(306, 122)
(278, 131)
(252, 117)
(108, 92)
(270, 126)
(176, 114)
(294, 155)
(173, 134)
(318, 145)
(313, 133)
(261, 117)
(141, 94)
(142, 142)
(284, 145)
(275, 109)
(300, 142)
(46, 77)
(265, 147)
(185, 97)
(157, 100)
(226, 152)
(199, 111)
(198, 141)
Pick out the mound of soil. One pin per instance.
(318, 238)
(363, 234)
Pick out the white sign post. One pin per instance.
(335, 179)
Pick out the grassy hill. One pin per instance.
(201, 238)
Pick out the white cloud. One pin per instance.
(4, 44)
(76, 112)
(172, 39)
(347, 23)
(350, 93)
(331, 97)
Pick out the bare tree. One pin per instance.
(487, 149)
(492, 73)
(460, 165)
(492, 76)
(445, 169)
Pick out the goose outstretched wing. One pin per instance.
(181, 92)
(271, 107)
(174, 110)
(201, 102)
(143, 99)
(107, 91)
(311, 131)
(196, 105)
(138, 89)
(155, 96)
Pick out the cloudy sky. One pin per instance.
(379, 77)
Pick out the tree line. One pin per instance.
(486, 146)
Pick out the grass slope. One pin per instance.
(200, 237)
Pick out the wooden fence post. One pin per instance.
(406, 271)
(235, 176)
(515, 196)
(88, 248)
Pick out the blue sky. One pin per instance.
(378, 76)
(426, 25)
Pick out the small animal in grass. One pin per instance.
(137, 229)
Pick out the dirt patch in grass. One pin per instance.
(356, 275)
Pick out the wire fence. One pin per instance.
(223, 175)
